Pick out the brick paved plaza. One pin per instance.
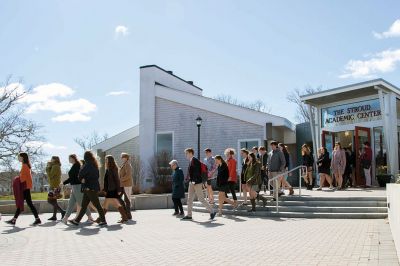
(157, 238)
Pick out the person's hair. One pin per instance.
(75, 158)
(125, 155)
(111, 164)
(253, 157)
(325, 149)
(283, 146)
(25, 159)
(82, 162)
(262, 148)
(255, 148)
(230, 151)
(275, 143)
(89, 158)
(56, 159)
(219, 157)
(207, 150)
(366, 143)
(245, 151)
(189, 150)
(305, 150)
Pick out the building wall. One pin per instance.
(217, 132)
(131, 147)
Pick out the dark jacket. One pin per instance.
(244, 166)
(276, 161)
(73, 175)
(111, 180)
(194, 171)
(178, 189)
(90, 173)
(324, 163)
(287, 159)
(308, 160)
(223, 175)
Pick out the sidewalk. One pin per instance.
(157, 238)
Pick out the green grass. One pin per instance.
(35, 196)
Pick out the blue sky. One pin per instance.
(79, 52)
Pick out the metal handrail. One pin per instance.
(300, 168)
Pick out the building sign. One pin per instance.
(353, 113)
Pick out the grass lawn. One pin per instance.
(35, 196)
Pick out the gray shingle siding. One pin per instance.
(131, 147)
(217, 132)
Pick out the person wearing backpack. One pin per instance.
(195, 176)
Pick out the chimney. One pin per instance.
(170, 72)
(190, 82)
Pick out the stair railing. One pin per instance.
(302, 172)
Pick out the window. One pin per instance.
(248, 144)
(380, 151)
(165, 143)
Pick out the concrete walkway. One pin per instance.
(157, 238)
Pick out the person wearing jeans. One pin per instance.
(195, 185)
(276, 165)
(178, 189)
(25, 176)
(366, 160)
(125, 175)
(232, 164)
(89, 176)
(76, 196)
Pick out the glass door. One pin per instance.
(362, 134)
(328, 141)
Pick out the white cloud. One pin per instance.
(394, 31)
(72, 117)
(381, 62)
(121, 30)
(44, 145)
(117, 93)
(16, 87)
(46, 92)
(80, 105)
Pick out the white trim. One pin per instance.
(118, 139)
(173, 141)
(239, 159)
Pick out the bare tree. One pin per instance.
(302, 114)
(257, 105)
(89, 141)
(137, 171)
(16, 131)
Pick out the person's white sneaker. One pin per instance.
(89, 221)
(65, 220)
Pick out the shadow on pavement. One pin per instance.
(234, 218)
(88, 231)
(12, 230)
(209, 224)
(114, 227)
(48, 224)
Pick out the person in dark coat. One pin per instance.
(178, 189)
(324, 168)
(222, 183)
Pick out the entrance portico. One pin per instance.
(354, 114)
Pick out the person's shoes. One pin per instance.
(102, 224)
(331, 188)
(320, 188)
(187, 218)
(175, 213)
(73, 222)
(64, 220)
(235, 205)
(291, 191)
(52, 218)
(63, 214)
(219, 214)
(97, 221)
(212, 215)
(281, 194)
(12, 221)
(89, 220)
(37, 222)
(182, 214)
(251, 210)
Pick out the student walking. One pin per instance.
(53, 170)
(338, 164)
(308, 161)
(76, 193)
(253, 178)
(195, 185)
(178, 188)
(89, 176)
(125, 176)
(264, 173)
(324, 165)
(232, 164)
(25, 178)
(366, 161)
(244, 154)
(209, 161)
(283, 179)
(223, 184)
(276, 166)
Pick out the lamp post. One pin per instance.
(198, 123)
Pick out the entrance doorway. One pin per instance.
(362, 134)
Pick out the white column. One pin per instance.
(313, 135)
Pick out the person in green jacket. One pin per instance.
(53, 170)
(252, 176)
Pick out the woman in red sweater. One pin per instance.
(25, 176)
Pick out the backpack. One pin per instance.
(203, 172)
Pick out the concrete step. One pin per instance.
(332, 203)
(321, 215)
(335, 198)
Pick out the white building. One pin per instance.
(366, 111)
(169, 106)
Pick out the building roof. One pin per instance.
(366, 88)
(118, 139)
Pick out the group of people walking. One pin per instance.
(83, 177)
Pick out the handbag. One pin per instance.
(54, 194)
